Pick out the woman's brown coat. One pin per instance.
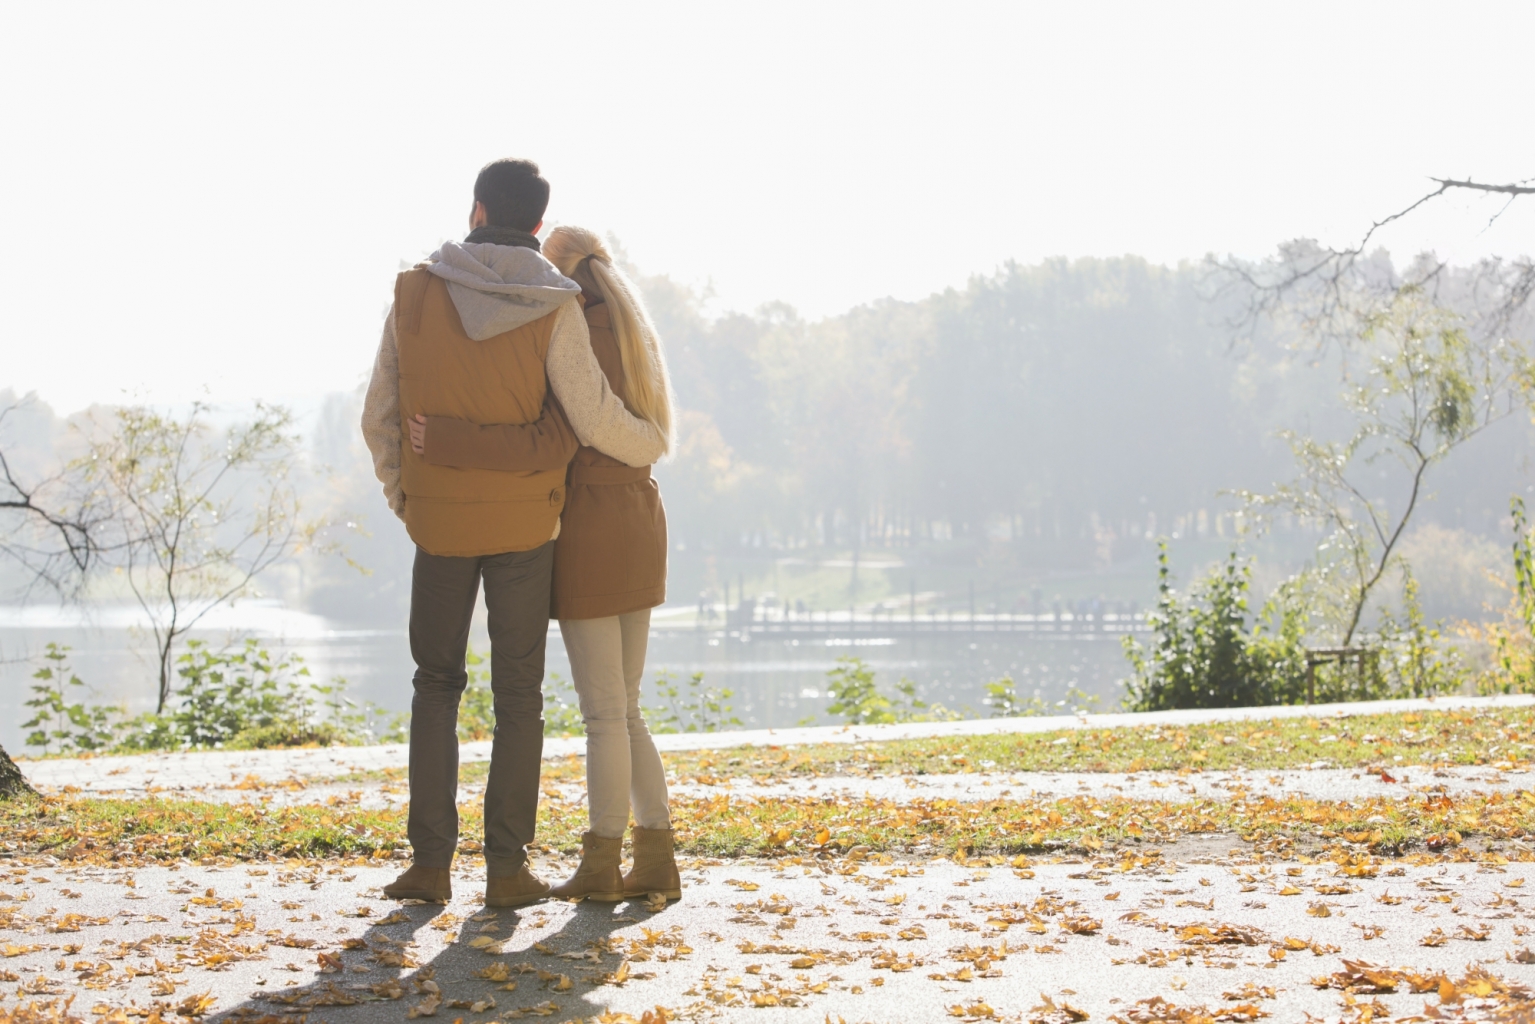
(610, 556)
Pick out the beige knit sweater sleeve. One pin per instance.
(597, 414)
(381, 418)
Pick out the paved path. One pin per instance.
(210, 768)
(1320, 784)
(1202, 923)
(811, 940)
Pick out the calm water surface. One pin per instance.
(777, 680)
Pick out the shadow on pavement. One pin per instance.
(574, 972)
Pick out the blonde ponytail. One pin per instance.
(639, 347)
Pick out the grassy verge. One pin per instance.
(152, 829)
(1471, 737)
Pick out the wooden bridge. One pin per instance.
(749, 621)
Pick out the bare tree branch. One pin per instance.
(1428, 387)
(1518, 188)
(60, 527)
(202, 514)
(73, 534)
(1325, 289)
(1513, 190)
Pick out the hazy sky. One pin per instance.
(219, 195)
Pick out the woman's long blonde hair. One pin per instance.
(645, 378)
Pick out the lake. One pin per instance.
(776, 670)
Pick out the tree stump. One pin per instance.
(12, 782)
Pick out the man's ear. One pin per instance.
(478, 218)
(537, 228)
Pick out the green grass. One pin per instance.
(145, 830)
(156, 829)
(1401, 739)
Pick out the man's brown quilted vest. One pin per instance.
(444, 372)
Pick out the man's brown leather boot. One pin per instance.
(655, 865)
(515, 890)
(421, 883)
(598, 877)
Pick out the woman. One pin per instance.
(609, 572)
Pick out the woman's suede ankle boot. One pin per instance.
(598, 877)
(655, 865)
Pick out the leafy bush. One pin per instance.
(1414, 659)
(225, 694)
(854, 694)
(60, 726)
(856, 697)
(1005, 702)
(477, 705)
(293, 733)
(1205, 654)
(562, 711)
(248, 699)
(701, 709)
(698, 709)
(240, 699)
(1513, 639)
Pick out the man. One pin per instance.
(483, 332)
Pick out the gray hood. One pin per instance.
(497, 288)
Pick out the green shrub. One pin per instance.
(854, 694)
(1512, 639)
(856, 697)
(225, 693)
(388, 726)
(1005, 702)
(562, 712)
(58, 725)
(1206, 655)
(701, 709)
(292, 734)
(246, 698)
(477, 705)
(1414, 660)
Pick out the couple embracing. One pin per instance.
(517, 402)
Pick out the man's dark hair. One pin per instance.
(514, 193)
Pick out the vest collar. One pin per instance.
(503, 236)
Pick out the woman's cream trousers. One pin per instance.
(607, 659)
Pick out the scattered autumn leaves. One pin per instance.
(155, 829)
(852, 832)
(1489, 736)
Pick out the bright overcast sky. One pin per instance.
(218, 195)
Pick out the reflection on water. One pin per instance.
(777, 680)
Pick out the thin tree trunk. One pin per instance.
(1389, 546)
(165, 676)
(12, 782)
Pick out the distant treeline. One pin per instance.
(1071, 407)
(1048, 417)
